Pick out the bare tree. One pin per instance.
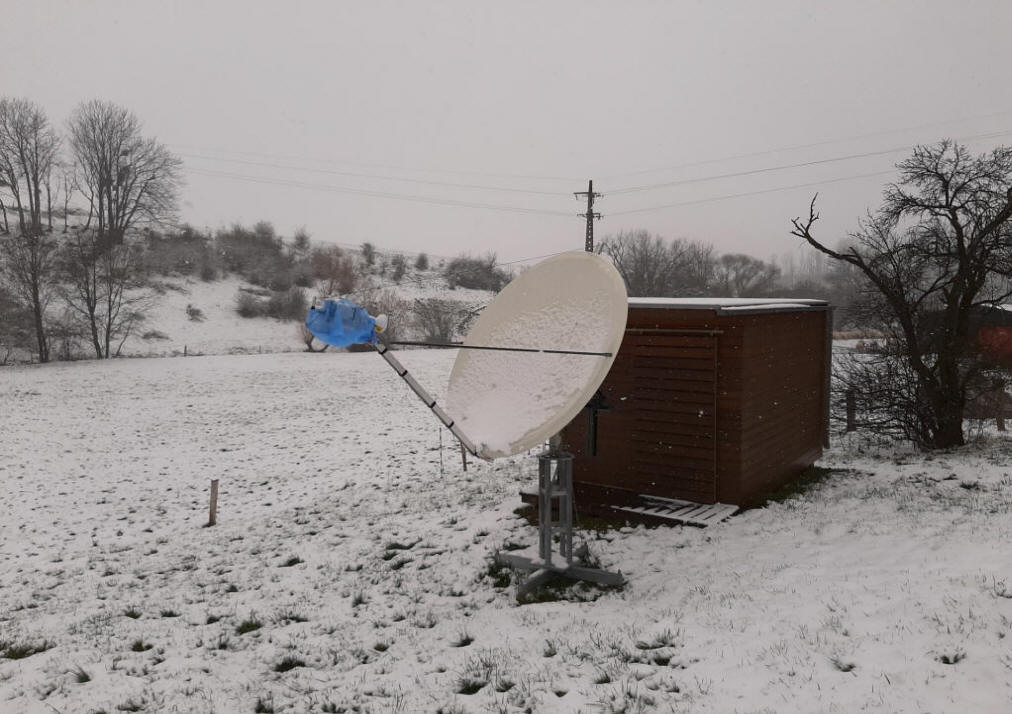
(699, 270)
(128, 179)
(939, 247)
(15, 325)
(334, 270)
(3, 207)
(309, 339)
(647, 263)
(368, 254)
(103, 286)
(378, 300)
(28, 147)
(28, 268)
(653, 267)
(740, 275)
(66, 187)
(398, 265)
(438, 320)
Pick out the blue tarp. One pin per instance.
(340, 323)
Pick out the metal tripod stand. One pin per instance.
(555, 516)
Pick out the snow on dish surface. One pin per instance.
(723, 303)
(506, 402)
(886, 587)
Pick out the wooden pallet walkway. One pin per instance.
(653, 510)
(675, 511)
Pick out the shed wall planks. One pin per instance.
(708, 407)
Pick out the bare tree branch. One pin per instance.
(940, 238)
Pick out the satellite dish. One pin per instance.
(510, 401)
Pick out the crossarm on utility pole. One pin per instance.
(426, 398)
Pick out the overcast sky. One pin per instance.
(288, 111)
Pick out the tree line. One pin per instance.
(652, 266)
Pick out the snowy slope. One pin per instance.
(223, 331)
(365, 563)
(220, 332)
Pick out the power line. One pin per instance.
(375, 165)
(375, 176)
(797, 147)
(749, 193)
(377, 194)
(533, 257)
(781, 167)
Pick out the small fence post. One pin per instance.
(851, 398)
(442, 472)
(1000, 398)
(212, 518)
(463, 456)
(184, 350)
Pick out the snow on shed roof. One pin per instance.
(723, 305)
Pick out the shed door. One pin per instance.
(672, 422)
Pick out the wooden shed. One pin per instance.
(708, 401)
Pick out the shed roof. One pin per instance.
(730, 305)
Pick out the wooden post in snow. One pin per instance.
(212, 517)
(851, 398)
(463, 456)
(1000, 398)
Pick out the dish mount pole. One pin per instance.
(555, 502)
(555, 518)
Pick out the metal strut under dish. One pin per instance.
(449, 423)
(462, 346)
(426, 398)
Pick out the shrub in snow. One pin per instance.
(398, 266)
(476, 273)
(249, 305)
(195, 313)
(437, 320)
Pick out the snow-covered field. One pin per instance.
(349, 570)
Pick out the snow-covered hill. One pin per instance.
(170, 330)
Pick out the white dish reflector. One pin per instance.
(508, 402)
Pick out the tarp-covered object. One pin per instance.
(340, 323)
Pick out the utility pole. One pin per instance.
(589, 215)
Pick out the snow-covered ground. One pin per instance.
(349, 570)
